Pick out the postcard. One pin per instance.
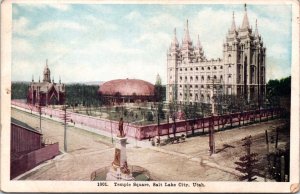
(149, 96)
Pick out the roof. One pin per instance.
(127, 87)
(24, 125)
(46, 86)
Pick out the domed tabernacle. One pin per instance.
(127, 90)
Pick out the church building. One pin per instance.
(191, 77)
(46, 92)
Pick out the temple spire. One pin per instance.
(233, 27)
(32, 79)
(39, 79)
(198, 42)
(187, 37)
(59, 80)
(46, 77)
(245, 23)
(256, 29)
(175, 41)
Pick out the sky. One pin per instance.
(101, 42)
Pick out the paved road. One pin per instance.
(188, 161)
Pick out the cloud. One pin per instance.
(21, 46)
(39, 6)
(162, 20)
(94, 22)
(151, 40)
(134, 15)
(15, 10)
(22, 69)
(275, 70)
(107, 46)
(21, 27)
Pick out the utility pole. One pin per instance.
(211, 135)
(40, 114)
(168, 125)
(66, 118)
(276, 141)
(158, 109)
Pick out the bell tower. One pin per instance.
(46, 73)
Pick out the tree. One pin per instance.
(278, 88)
(19, 90)
(246, 163)
(149, 116)
(161, 113)
(159, 90)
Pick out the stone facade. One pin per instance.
(242, 71)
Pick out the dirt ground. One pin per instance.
(187, 161)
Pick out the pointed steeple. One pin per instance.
(175, 41)
(245, 23)
(53, 79)
(59, 80)
(198, 42)
(46, 77)
(256, 29)
(32, 79)
(39, 79)
(187, 37)
(233, 27)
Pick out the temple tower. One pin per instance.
(172, 71)
(46, 73)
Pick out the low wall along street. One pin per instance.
(149, 131)
(30, 160)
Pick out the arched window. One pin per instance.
(208, 98)
(229, 78)
(208, 77)
(229, 58)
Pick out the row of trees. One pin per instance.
(87, 95)
(19, 90)
(280, 87)
(277, 89)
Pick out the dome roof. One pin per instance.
(127, 87)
